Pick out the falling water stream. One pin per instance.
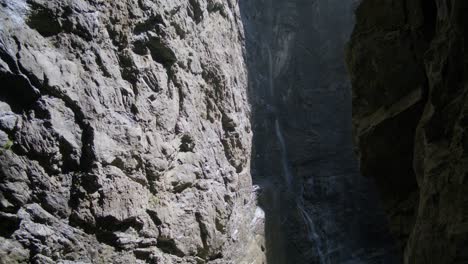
(312, 234)
(284, 158)
(318, 209)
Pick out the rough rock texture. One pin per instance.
(125, 133)
(408, 66)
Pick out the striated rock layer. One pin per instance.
(125, 133)
(408, 66)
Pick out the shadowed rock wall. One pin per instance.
(408, 66)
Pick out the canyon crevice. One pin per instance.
(233, 132)
(318, 208)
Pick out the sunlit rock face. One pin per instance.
(125, 133)
(318, 208)
(407, 61)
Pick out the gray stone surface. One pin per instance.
(125, 133)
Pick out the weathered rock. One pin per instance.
(408, 68)
(124, 128)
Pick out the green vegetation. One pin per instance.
(8, 145)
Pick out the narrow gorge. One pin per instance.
(233, 131)
(318, 209)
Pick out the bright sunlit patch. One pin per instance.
(16, 10)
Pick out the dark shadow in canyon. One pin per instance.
(318, 208)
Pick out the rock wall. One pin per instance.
(125, 133)
(408, 68)
(318, 208)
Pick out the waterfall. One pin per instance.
(311, 231)
(284, 158)
(270, 72)
(312, 234)
(296, 73)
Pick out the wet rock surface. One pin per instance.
(408, 69)
(318, 208)
(125, 133)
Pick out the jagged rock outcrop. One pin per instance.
(125, 133)
(408, 66)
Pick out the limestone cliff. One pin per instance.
(125, 133)
(408, 66)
